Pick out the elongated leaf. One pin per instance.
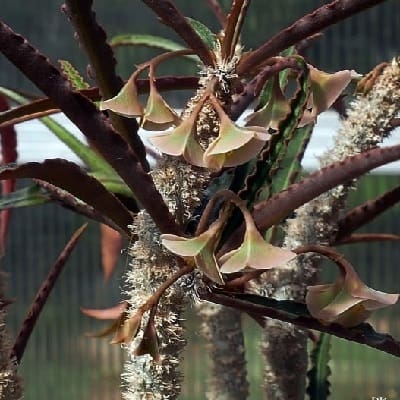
(70, 177)
(70, 202)
(42, 296)
(268, 164)
(145, 40)
(208, 37)
(73, 75)
(269, 212)
(318, 376)
(172, 17)
(26, 197)
(113, 183)
(290, 163)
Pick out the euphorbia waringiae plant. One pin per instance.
(206, 222)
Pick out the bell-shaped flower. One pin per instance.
(149, 343)
(180, 141)
(348, 301)
(200, 249)
(234, 145)
(128, 330)
(274, 111)
(126, 102)
(158, 115)
(325, 89)
(254, 253)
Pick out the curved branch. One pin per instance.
(363, 334)
(173, 18)
(42, 296)
(321, 18)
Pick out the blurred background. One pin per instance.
(61, 362)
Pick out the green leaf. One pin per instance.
(145, 40)
(113, 183)
(208, 37)
(258, 185)
(290, 163)
(318, 376)
(73, 75)
(26, 197)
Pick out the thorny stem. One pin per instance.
(233, 27)
(366, 237)
(42, 296)
(388, 344)
(101, 57)
(321, 18)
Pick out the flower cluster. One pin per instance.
(253, 253)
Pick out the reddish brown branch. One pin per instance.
(173, 18)
(386, 343)
(233, 27)
(365, 213)
(102, 62)
(272, 211)
(70, 202)
(318, 20)
(367, 237)
(42, 296)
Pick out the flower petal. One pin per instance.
(273, 112)
(158, 114)
(126, 102)
(207, 263)
(255, 253)
(183, 246)
(180, 142)
(128, 329)
(106, 313)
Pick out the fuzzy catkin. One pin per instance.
(149, 267)
(368, 122)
